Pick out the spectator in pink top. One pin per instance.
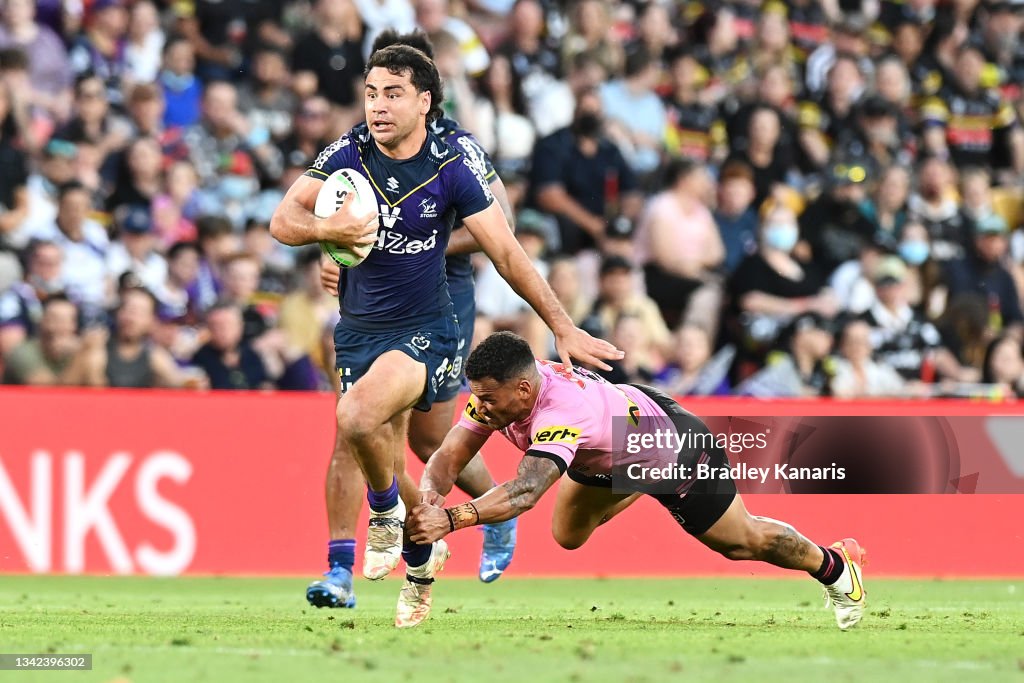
(680, 246)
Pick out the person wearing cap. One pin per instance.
(981, 270)
(799, 368)
(902, 337)
(135, 249)
(833, 224)
(875, 134)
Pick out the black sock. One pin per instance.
(831, 567)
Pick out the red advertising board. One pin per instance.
(168, 483)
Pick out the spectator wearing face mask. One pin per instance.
(772, 285)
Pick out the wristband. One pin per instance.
(462, 516)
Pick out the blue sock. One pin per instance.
(341, 553)
(415, 554)
(381, 501)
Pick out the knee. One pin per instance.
(423, 445)
(568, 539)
(354, 424)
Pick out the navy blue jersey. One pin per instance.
(458, 266)
(420, 199)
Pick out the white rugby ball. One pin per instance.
(345, 185)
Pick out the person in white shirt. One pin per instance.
(135, 250)
(84, 244)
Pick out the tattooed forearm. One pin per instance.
(535, 476)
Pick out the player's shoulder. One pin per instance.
(349, 143)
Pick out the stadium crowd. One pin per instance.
(782, 198)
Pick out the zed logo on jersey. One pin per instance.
(389, 216)
(397, 243)
(557, 434)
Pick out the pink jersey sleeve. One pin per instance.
(471, 421)
(558, 433)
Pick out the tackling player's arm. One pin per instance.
(538, 471)
(448, 461)
(463, 242)
(295, 224)
(491, 231)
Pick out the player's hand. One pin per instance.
(431, 498)
(579, 345)
(427, 523)
(348, 230)
(330, 275)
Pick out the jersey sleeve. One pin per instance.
(471, 148)
(557, 434)
(469, 192)
(472, 421)
(341, 153)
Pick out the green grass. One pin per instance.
(759, 631)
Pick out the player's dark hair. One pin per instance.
(401, 59)
(70, 186)
(501, 357)
(209, 226)
(417, 39)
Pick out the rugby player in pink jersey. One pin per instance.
(564, 420)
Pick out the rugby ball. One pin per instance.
(345, 184)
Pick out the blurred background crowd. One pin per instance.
(781, 198)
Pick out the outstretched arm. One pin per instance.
(491, 231)
(448, 461)
(537, 473)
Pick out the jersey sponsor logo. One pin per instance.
(634, 413)
(428, 208)
(439, 153)
(472, 413)
(420, 342)
(389, 216)
(329, 151)
(556, 434)
(392, 185)
(397, 243)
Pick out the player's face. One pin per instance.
(502, 403)
(394, 108)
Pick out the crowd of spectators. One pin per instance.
(781, 198)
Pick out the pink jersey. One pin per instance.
(573, 418)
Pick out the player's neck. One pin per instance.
(408, 147)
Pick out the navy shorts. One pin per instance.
(465, 310)
(433, 342)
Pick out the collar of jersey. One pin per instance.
(424, 150)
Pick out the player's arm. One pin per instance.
(463, 242)
(295, 224)
(490, 229)
(537, 473)
(448, 461)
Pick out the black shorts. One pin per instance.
(705, 500)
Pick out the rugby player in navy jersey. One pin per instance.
(397, 339)
(344, 487)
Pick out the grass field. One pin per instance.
(225, 629)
